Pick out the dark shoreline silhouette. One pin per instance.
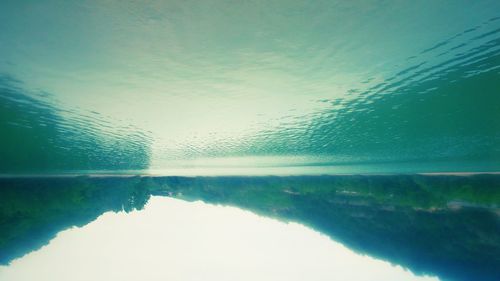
(447, 226)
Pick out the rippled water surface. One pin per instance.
(339, 86)
(249, 140)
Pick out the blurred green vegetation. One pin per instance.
(447, 226)
(33, 211)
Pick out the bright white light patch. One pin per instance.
(177, 240)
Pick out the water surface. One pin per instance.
(113, 114)
(150, 87)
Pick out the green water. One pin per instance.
(249, 140)
(373, 86)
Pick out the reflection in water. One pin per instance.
(279, 87)
(446, 226)
(176, 240)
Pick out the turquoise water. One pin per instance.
(194, 86)
(250, 140)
